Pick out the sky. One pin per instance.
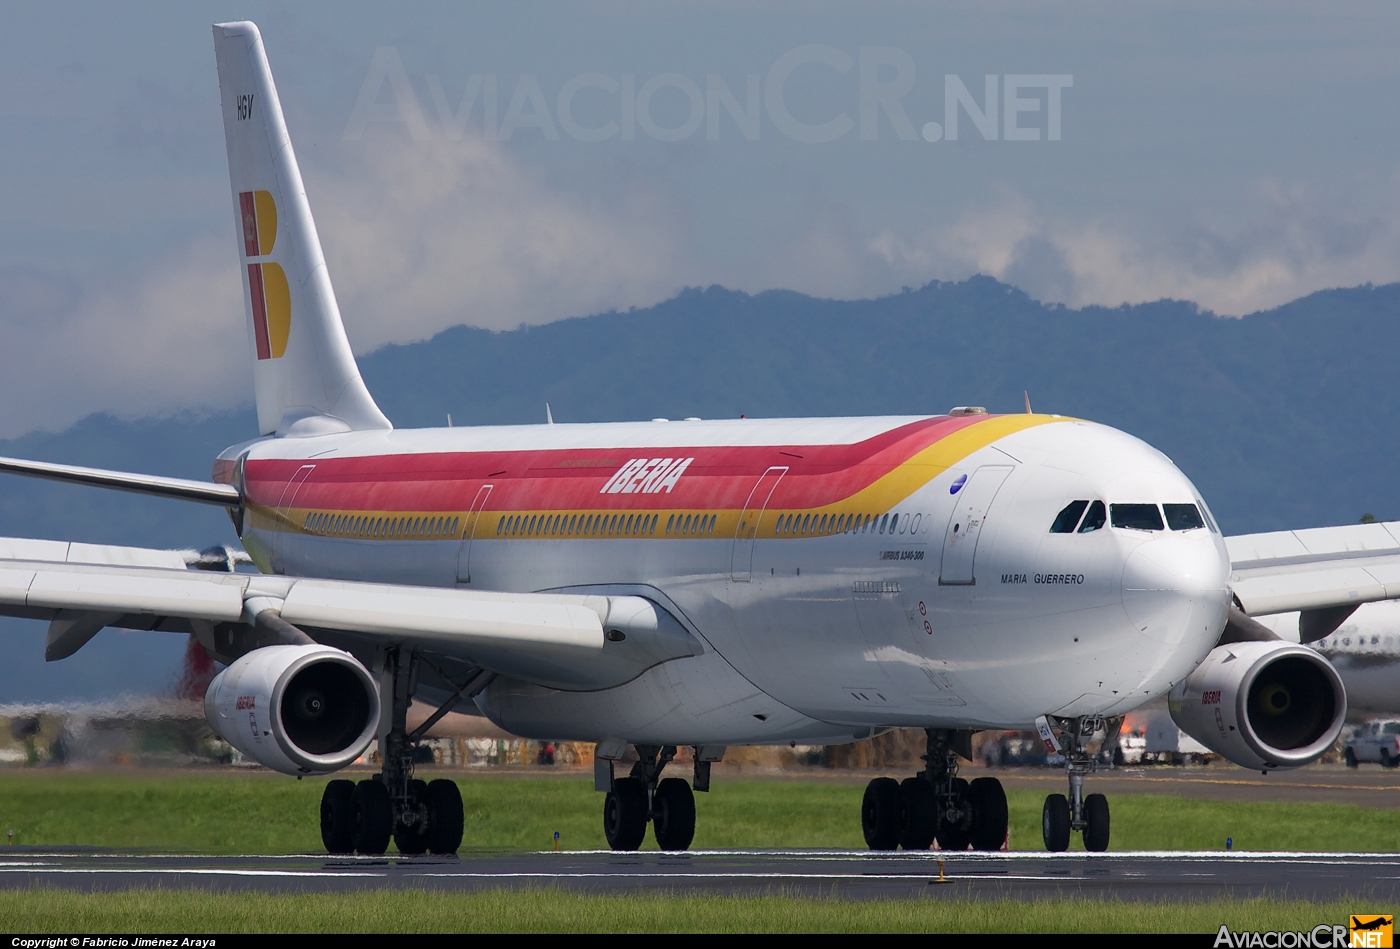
(500, 164)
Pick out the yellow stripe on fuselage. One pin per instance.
(876, 499)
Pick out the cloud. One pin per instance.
(420, 236)
(171, 338)
(1280, 243)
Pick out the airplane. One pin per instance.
(654, 585)
(1365, 650)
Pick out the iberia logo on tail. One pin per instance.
(267, 282)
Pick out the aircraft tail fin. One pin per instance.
(304, 374)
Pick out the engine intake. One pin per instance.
(296, 709)
(1265, 705)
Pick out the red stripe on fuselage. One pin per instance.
(720, 477)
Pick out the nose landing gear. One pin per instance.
(1061, 816)
(936, 804)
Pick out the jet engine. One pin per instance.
(307, 709)
(1262, 705)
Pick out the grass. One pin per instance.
(219, 812)
(547, 910)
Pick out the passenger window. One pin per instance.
(1095, 519)
(1137, 517)
(1183, 517)
(1068, 519)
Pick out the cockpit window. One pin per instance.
(1094, 519)
(1183, 517)
(1138, 517)
(1068, 519)
(1210, 521)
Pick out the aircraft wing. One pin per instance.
(553, 639)
(1325, 572)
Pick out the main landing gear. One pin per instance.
(1089, 815)
(935, 804)
(645, 797)
(420, 816)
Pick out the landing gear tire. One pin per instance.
(372, 817)
(917, 811)
(956, 834)
(879, 814)
(1096, 823)
(337, 817)
(990, 818)
(673, 817)
(1054, 823)
(1350, 758)
(444, 816)
(625, 814)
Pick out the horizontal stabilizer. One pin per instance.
(204, 492)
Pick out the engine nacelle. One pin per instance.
(1263, 705)
(296, 709)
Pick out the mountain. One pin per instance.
(1284, 418)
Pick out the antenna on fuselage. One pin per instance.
(1027, 394)
(548, 415)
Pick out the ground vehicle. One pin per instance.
(1377, 741)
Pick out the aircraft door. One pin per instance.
(282, 526)
(741, 560)
(965, 525)
(464, 553)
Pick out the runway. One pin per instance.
(839, 873)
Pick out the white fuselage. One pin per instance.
(936, 597)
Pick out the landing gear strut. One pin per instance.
(936, 804)
(420, 816)
(645, 797)
(1061, 816)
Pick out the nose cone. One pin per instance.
(1174, 589)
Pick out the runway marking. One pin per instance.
(985, 855)
(191, 871)
(1238, 781)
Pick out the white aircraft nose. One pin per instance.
(1174, 589)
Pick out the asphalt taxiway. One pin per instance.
(847, 874)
